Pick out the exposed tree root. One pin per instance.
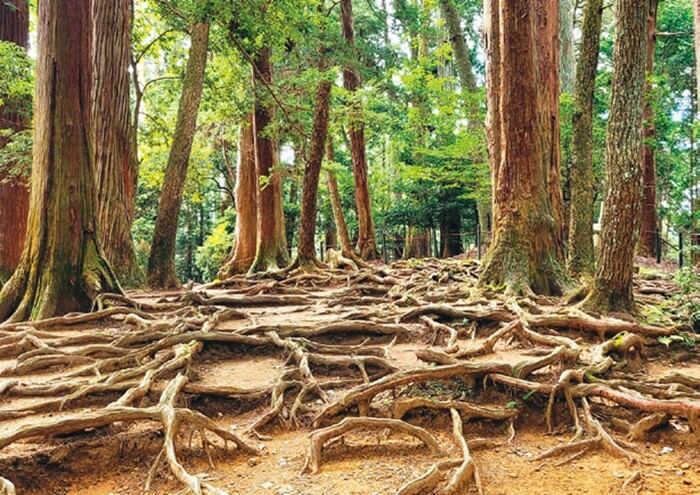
(467, 410)
(136, 361)
(164, 412)
(320, 437)
(467, 470)
(601, 439)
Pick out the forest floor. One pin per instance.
(398, 379)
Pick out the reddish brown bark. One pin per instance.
(62, 268)
(493, 88)
(366, 243)
(647, 237)
(612, 289)
(523, 254)
(114, 153)
(161, 262)
(246, 194)
(271, 251)
(334, 193)
(548, 86)
(312, 171)
(14, 196)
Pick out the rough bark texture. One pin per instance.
(246, 194)
(366, 243)
(492, 47)
(114, 154)
(271, 250)
(312, 172)
(612, 286)
(340, 225)
(523, 254)
(548, 86)
(567, 52)
(647, 238)
(14, 197)
(460, 52)
(161, 262)
(581, 254)
(62, 268)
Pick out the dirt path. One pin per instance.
(270, 361)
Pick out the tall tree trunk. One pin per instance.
(647, 237)
(460, 52)
(334, 193)
(612, 286)
(161, 262)
(62, 268)
(271, 250)
(567, 52)
(114, 154)
(468, 83)
(581, 254)
(451, 225)
(312, 171)
(548, 85)
(492, 46)
(246, 204)
(523, 254)
(366, 243)
(14, 196)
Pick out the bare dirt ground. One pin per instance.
(401, 379)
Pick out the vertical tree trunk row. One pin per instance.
(271, 251)
(161, 262)
(581, 255)
(114, 153)
(523, 255)
(312, 172)
(62, 268)
(366, 243)
(246, 195)
(612, 286)
(647, 237)
(14, 197)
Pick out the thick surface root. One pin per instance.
(134, 360)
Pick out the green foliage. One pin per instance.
(217, 246)
(16, 156)
(16, 80)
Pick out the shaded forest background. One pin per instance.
(422, 106)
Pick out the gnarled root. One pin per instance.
(320, 437)
(164, 412)
(602, 439)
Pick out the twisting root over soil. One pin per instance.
(320, 437)
(139, 358)
(6, 487)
